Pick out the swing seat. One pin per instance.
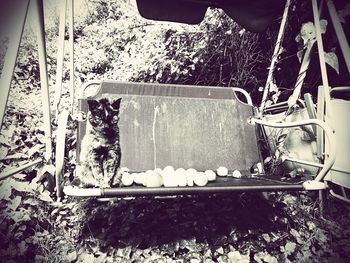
(184, 127)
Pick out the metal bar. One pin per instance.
(278, 104)
(340, 197)
(343, 191)
(13, 171)
(71, 49)
(11, 55)
(40, 28)
(329, 132)
(310, 109)
(60, 56)
(321, 57)
(246, 95)
(320, 116)
(343, 42)
(310, 106)
(88, 84)
(109, 192)
(319, 165)
(278, 108)
(275, 56)
(161, 191)
(60, 148)
(320, 10)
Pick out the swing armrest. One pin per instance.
(328, 131)
(63, 119)
(85, 86)
(340, 92)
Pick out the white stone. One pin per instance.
(127, 179)
(222, 171)
(236, 174)
(211, 175)
(200, 179)
(180, 175)
(154, 179)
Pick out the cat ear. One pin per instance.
(116, 104)
(93, 104)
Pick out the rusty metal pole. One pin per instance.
(60, 56)
(71, 51)
(16, 31)
(40, 28)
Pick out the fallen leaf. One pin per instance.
(86, 258)
(48, 168)
(71, 256)
(234, 256)
(21, 186)
(41, 138)
(3, 151)
(5, 190)
(267, 258)
(31, 201)
(35, 149)
(45, 196)
(20, 176)
(20, 216)
(273, 260)
(266, 237)
(310, 225)
(22, 247)
(15, 202)
(220, 251)
(289, 248)
(15, 156)
(297, 236)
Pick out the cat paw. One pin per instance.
(116, 180)
(85, 182)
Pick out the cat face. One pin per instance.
(104, 115)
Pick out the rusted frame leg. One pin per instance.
(40, 28)
(17, 26)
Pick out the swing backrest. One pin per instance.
(182, 126)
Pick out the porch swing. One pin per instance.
(204, 127)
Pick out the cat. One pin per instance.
(100, 151)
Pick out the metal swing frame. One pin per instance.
(64, 116)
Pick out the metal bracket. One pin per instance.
(82, 192)
(314, 185)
